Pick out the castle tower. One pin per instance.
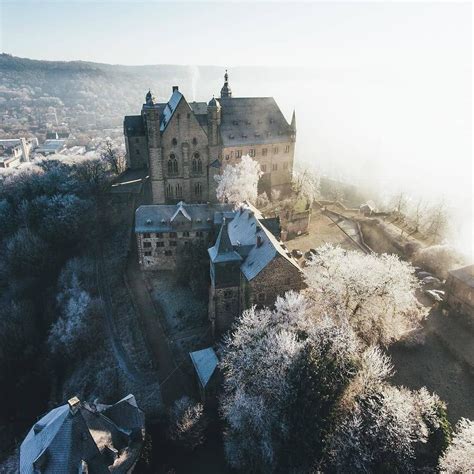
(213, 133)
(151, 113)
(224, 295)
(226, 91)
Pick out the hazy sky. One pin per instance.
(388, 100)
(239, 33)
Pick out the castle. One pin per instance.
(185, 144)
(249, 265)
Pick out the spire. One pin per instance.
(293, 121)
(226, 90)
(223, 250)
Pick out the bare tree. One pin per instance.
(114, 157)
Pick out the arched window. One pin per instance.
(197, 164)
(172, 164)
(178, 191)
(169, 191)
(174, 142)
(195, 141)
(198, 190)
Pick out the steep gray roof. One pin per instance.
(170, 108)
(223, 250)
(161, 217)
(76, 434)
(205, 363)
(245, 231)
(251, 121)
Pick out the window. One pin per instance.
(198, 190)
(159, 235)
(288, 280)
(199, 233)
(285, 165)
(147, 244)
(173, 243)
(263, 168)
(137, 140)
(197, 164)
(195, 141)
(238, 153)
(160, 244)
(146, 235)
(186, 234)
(174, 142)
(227, 294)
(147, 254)
(264, 151)
(227, 157)
(172, 164)
(287, 149)
(227, 306)
(173, 235)
(137, 151)
(261, 297)
(179, 191)
(275, 150)
(189, 116)
(168, 253)
(252, 152)
(169, 191)
(275, 167)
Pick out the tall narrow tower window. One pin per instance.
(197, 164)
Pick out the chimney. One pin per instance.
(175, 88)
(259, 241)
(74, 405)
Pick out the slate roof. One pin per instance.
(223, 251)
(79, 434)
(465, 274)
(160, 217)
(244, 231)
(251, 121)
(205, 363)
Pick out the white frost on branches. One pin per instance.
(239, 182)
(375, 293)
(459, 457)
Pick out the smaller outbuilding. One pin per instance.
(85, 438)
(205, 364)
(460, 290)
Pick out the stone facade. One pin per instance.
(460, 291)
(184, 145)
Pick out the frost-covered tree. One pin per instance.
(459, 456)
(239, 182)
(114, 156)
(388, 428)
(187, 422)
(375, 293)
(306, 185)
(295, 381)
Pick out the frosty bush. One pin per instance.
(187, 423)
(459, 457)
(438, 259)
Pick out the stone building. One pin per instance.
(460, 290)
(249, 266)
(184, 144)
(85, 438)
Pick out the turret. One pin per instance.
(214, 121)
(226, 91)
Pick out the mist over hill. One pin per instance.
(382, 129)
